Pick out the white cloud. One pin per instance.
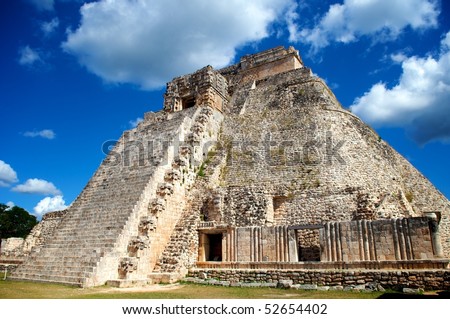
(445, 43)
(384, 20)
(49, 27)
(49, 204)
(134, 123)
(10, 204)
(7, 174)
(37, 186)
(148, 42)
(28, 56)
(43, 5)
(419, 102)
(398, 57)
(48, 134)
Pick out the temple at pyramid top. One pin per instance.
(210, 87)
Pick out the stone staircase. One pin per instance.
(99, 225)
(181, 251)
(166, 206)
(176, 251)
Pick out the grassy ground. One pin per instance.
(30, 290)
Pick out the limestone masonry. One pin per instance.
(251, 173)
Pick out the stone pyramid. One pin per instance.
(253, 165)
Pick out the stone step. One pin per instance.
(80, 243)
(100, 230)
(49, 253)
(60, 271)
(69, 280)
(99, 215)
(67, 266)
(70, 255)
(92, 227)
(82, 240)
(39, 264)
(54, 266)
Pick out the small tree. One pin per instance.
(15, 222)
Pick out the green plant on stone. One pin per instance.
(201, 170)
(409, 196)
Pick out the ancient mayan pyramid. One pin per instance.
(254, 166)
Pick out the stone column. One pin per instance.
(435, 235)
(323, 243)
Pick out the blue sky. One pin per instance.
(75, 75)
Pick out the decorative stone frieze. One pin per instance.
(157, 206)
(147, 224)
(165, 189)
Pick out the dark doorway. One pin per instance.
(308, 244)
(215, 247)
(188, 102)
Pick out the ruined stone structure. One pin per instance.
(254, 166)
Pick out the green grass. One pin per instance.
(31, 290)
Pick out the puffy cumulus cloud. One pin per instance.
(49, 27)
(37, 186)
(420, 102)
(354, 18)
(7, 174)
(28, 56)
(148, 42)
(49, 204)
(43, 5)
(48, 134)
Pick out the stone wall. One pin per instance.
(393, 239)
(7, 267)
(394, 279)
(361, 240)
(289, 154)
(262, 65)
(43, 231)
(293, 156)
(205, 87)
(257, 244)
(11, 247)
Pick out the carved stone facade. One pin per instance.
(205, 87)
(254, 166)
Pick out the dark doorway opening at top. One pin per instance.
(188, 102)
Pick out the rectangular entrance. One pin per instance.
(187, 102)
(210, 248)
(215, 247)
